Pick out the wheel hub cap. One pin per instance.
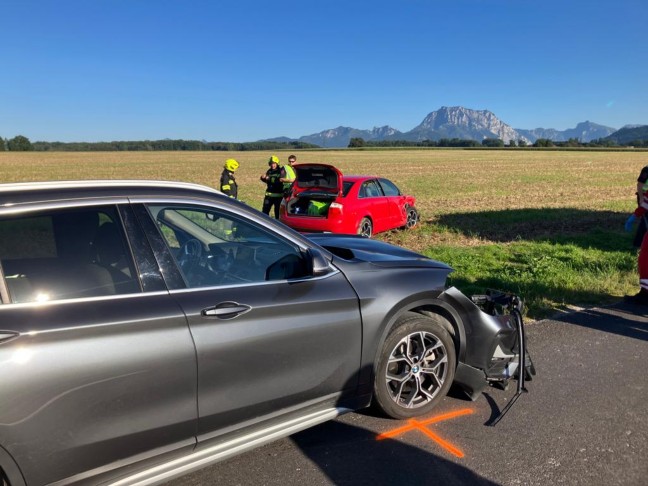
(417, 369)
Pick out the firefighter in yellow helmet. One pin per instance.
(228, 184)
(274, 187)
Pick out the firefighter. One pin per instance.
(288, 175)
(228, 184)
(274, 187)
(641, 213)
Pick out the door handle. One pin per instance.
(226, 310)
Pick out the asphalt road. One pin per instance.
(584, 421)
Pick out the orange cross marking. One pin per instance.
(420, 426)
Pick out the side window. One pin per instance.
(213, 248)
(66, 254)
(389, 188)
(371, 189)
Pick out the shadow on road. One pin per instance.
(351, 455)
(622, 319)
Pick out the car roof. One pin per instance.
(356, 178)
(55, 190)
(107, 183)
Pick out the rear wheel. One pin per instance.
(415, 367)
(365, 228)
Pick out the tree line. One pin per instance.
(493, 142)
(21, 143)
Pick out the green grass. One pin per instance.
(549, 275)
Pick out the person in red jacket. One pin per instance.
(641, 214)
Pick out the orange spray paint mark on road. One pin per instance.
(421, 426)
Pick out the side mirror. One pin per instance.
(319, 262)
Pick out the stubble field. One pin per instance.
(545, 224)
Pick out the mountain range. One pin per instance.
(454, 122)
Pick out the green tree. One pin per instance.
(512, 143)
(356, 142)
(543, 142)
(19, 144)
(492, 142)
(522, 143)
(2, 145)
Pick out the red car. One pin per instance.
(322, 199)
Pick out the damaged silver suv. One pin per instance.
(148, 329)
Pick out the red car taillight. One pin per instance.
(335, 208)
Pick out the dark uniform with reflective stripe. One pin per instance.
(274, 191)
(228, 184)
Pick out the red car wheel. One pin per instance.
(365, 228)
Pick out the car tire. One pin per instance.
(415, 367)
(365, 228)
(412, 217)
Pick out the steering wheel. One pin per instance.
(190, 254)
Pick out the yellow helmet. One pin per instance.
(273, 160)
(231, 165)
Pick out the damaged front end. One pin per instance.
(495, 344)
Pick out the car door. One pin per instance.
(269, 336)
(395, 201)
(372, 199)
(98, 365)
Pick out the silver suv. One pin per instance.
(148, 329)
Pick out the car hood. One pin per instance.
(359, 248)
(317, 178)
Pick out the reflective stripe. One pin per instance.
(274, 194)
(226, 187)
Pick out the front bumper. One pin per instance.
(493, 326)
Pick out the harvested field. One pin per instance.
(470, 202)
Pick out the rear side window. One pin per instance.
(66, 254)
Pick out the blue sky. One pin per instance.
(102, 70)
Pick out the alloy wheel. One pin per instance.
(417, 369)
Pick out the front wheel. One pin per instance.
(365, 228)
(415, 367)
(412, 217)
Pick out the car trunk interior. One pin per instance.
(311, 203)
